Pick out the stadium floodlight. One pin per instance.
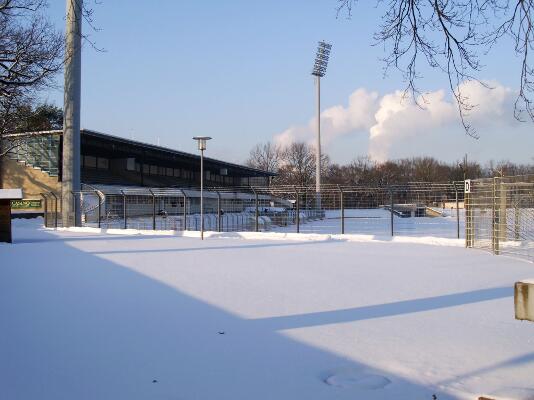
(201, 140)
(321, 59)
(319, 70)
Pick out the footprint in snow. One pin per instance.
(357, 379)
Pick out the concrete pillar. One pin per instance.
(524, 300)
(70, 212)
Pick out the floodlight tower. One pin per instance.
(319, 70)
(70, 171)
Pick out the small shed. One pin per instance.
(6, 195)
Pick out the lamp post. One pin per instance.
(201, 140)
(319, 70)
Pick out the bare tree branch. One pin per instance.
(450, 35)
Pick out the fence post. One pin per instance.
(55, 209)
(495, 219)
(469, 233)
(74, 206)
(125, 214)
(99, 216)
(457, 211)
(391, 210)
(153, 209)
(342, 206)
(517, 221)
(298, 210)
(503, 202)
(257, 214)
(218, 211)
(45, 209)
(185, 210)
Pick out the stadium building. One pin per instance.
(35, 166)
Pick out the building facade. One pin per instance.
(35, 165)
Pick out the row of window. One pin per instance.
(131, 165)
(95, 162)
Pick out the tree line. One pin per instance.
(295, 165)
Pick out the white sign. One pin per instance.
(467, 186)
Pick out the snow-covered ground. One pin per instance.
(89, 315)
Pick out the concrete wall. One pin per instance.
(32, 181)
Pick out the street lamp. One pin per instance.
(201, 140)
(319, 70)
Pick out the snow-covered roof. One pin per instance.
(11, 194)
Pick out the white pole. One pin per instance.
(202, 194)
(318, 149)
(71, 120)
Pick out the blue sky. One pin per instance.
(239, 71)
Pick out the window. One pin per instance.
(169, 171)
(130, 164)
(153, 170)
(208, 175)
(146, 169)
(89, 161)
(102, 163)
(137, 167)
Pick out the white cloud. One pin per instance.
(390, 120)
(336, 121)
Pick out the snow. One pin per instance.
(378, 221)
(90, 314)
(10, 194)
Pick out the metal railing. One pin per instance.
(420, 209)
(500, 215)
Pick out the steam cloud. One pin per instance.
(389, 119)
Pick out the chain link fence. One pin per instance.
(500, 215)
(415, 209)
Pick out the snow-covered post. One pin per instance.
(524, 300)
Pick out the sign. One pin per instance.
(467, 186)
(24, 204)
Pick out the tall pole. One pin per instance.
(318, 149)
(319, 70)
(70, 211)
(202, 194)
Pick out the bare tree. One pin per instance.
(31, 52)
(31, 55)
(298, 165)
(265, 156)
(451, 35)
